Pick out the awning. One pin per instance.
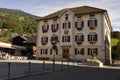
(6, 45)
(10, 46)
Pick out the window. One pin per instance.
(79, 25)
(55, 51)
(54, 27)
(45, 28)
(65, 38)
(54, 39)
(92, 23)
(44, 40)
(44, 51)
(66, 16)
(92, 38)
(79, 38)
(92, 51)
(79, 51)
(66, 25)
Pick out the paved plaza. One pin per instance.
(19, 70)
(78, 73)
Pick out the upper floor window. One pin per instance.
(54, 39)
(92, 51)
(79, 38)
(66, 25)
(44, 40)
(45, 28)
(79, 51)
(92, 38)
(65, 38)
(92, 23)
(66, 16)
(44, 51)
(79, 25)
(54, 27)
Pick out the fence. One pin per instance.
(14, 69)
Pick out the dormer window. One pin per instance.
(66, 16)
(92, 38)
(45, 28)
(44, 40)
(79, 38)
(92, 23)
(79, 25)
(54, 27)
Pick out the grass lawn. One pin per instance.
(114, 41)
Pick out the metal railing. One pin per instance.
(14, 69)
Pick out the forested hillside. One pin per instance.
(16, 22)
(115, 45)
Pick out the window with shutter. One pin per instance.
(82, 23)
(79, 25)
(75, 51)
(68, 38)
(92, 23)
(62, 38)
(92, 38)
(56, 51)
(69, 25)
(51, 51)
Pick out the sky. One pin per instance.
(45, 7)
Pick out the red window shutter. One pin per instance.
(88, 51)
(52, 27)
(96, 22)
(88, 37)
(57, 26)
(82, 23)
(47, 27)
(63, 25)
(62, 38)
(82, 37)
(51, 51)
(69, 25)
(56, 51)
(95, 37)
(68, 38)
(76, 24)
(76, 38)
(82, 51)
(88, 23)
(75, 51)
(41, 51)
(46, 39)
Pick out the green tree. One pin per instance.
(117, 54)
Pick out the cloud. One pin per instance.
(112, 6)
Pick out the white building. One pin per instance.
(75, 33)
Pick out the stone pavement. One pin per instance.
(78, 73)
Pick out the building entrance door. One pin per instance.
(65, 53)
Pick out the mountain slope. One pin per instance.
(16, 11)
(16, 22)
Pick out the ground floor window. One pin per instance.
(92, 51)
(79, 51)
(52, 51)
(44, 51)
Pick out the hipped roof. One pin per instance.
(76, 11)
